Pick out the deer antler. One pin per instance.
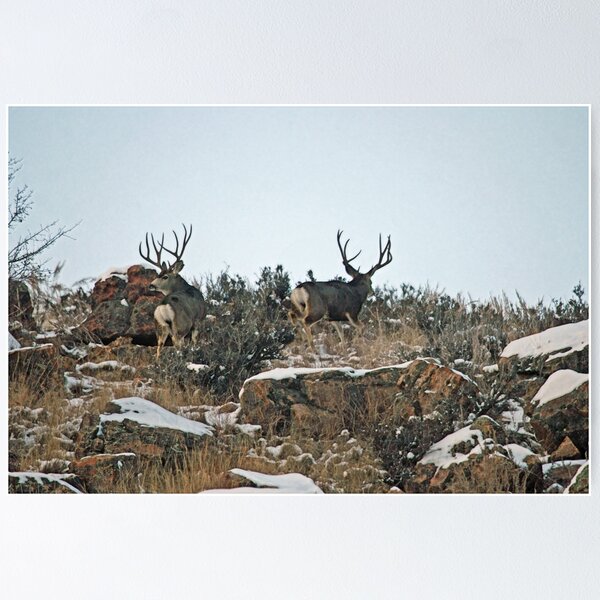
(186, 238)
(349, 268)
(158, 251)
(385, 255)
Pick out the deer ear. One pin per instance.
(177, 267)
(164, 266)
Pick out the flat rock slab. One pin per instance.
(280, 399)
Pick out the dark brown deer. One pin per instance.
(183, 308)
(336, 301)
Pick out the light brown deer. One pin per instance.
(183, 308)
(336, 301)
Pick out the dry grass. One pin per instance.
(201, 469)
(489, 475)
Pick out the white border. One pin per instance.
(427, 547)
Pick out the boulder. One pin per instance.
(111, 288)
(142, 326)
(108, 321)
(282, 399)
(138, 280)
(474, 460)
(122, 305)
(29, 482)
(136, 425)
(567, 450)
(562, 473)
(562, 347)
(560, 410)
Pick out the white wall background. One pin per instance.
(301, 52)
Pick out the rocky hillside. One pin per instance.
(92, 411)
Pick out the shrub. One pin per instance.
(247, 327)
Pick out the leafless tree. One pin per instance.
(25, 254)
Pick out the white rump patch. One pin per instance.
(164, 314)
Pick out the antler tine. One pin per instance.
(146, 256)
(384, 253)
(186, 238)
(161, 246)
(343, 250)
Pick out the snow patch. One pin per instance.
(120, 272)
(26, 348)
(248, 428)
(518, 454)
(13, 344)
(514, 418)
(39, 478)
(149, 414)
(556, 341)
(292, 372)
(196, 367)
(441, 453)
(110, 365)
(548, 467)
(288, 483)
(559, 384)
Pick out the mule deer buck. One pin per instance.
(336, 301)
(183, 307)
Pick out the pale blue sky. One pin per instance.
(476, 199)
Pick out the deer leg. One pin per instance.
(195, 334)
(308, 332)
(162, 336)
(178, 340)
(355, 323)
(339, 330)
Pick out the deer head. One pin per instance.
(168, 279)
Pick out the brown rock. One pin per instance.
(127, 436)
(546, 364)
(419, 388)
(108, 321)
(101, 473)
(142, 326)
(567, 416)
(138, 280)
(111, 288)
(560, 472)
(124, 306)
(566, 450)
